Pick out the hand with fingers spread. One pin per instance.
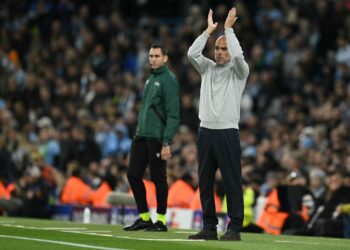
(231, 18)
(211, 25)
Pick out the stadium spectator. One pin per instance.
(287, 207)
(83, 148)
(344, 209)
(325, 221)
(318, 188)
(181, 191)
(188, 112)
(124, 142)
(106, 138)
(249, 200)
(4, 194)
(49, 148)
(76, 191)
(196, 202)
(33, 191)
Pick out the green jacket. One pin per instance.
(159, 116)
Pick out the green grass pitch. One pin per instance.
(27, 234)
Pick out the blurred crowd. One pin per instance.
(71, 81)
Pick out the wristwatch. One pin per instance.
(165, 143)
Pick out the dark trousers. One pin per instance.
(146, 152)
(220, 148)
(346, 221)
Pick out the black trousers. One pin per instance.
(146, 152)
(220, 148)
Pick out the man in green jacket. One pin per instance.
(158, 121)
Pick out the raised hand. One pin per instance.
(231, 18)
(211, 25)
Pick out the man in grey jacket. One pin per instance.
(218, 140)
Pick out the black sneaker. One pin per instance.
(157, 227)
(204, 235)
(231, 236)
(139, 224)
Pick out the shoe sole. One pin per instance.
(230, 239)
(138, 229)
(156, 229)
(161, 231)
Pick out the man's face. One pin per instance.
(221, 53)
(156, 58)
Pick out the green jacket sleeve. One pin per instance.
(172, 108)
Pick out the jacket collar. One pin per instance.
(229, 64)
(159, 70)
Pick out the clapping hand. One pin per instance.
(231, 18)
(211, 25)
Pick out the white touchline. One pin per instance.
(99, 231)
(46, 228)
(135, 238)
(60, 243)
(7, 225)
(103, 235)
(89, 233)
(62, 228)
(296, 242)
(186, 232)
(147, 239)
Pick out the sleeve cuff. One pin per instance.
(229, 31)
(206, 33)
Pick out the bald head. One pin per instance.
(223, 38)
(221, 53)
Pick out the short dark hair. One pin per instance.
(161, 47)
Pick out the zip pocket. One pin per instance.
(158, 114)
